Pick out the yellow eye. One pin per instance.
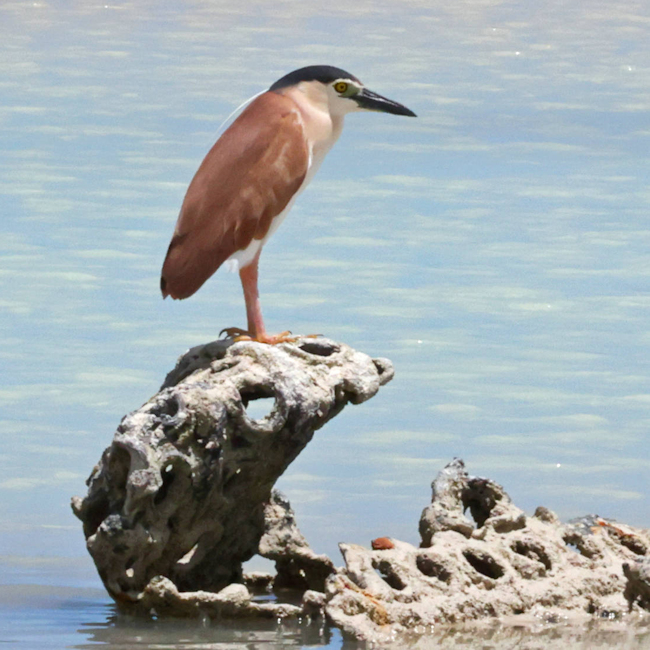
(340, 86)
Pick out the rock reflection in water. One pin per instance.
(120, 631)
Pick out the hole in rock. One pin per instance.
(634, 544)
(260, 408)
(319, 348)
(167, 411)
(258, 564)
(229, 481)
(95, 514)
(124, 586)
(388, 574)
(186, 559)
(213, 451)
(171, 406)
(577, 543)
(480, 498)
(259, 401)
(429, 567)
(380, 368)
(532, 551)
(119, 463)
(167, 476)
(631, 542)
(484, 563)
(239, 442)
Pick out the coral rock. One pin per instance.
(162, 598)
(297, 566)
(499, 564)
(181, 491)
(637, 589)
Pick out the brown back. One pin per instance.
(247, 179)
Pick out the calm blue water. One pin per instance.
(495, 248)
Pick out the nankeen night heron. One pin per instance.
(251, 177)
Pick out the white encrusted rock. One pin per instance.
(499, 564)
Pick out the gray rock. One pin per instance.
(162, 598)
(297, 566)
(454, 492)
(181, 491)
(499, 564)
(637, 589)
(313, 603)
(184, 495)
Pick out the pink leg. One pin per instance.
(248, 276)
(256, 330)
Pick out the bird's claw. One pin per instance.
(237, 334)
(282, 337)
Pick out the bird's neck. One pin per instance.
(322, 129)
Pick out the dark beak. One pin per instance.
(373, 102)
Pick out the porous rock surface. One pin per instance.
(296, 564)
(183, 496)
(500, 563)
(177, 501)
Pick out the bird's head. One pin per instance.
(342, 92)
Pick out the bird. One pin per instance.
(251, 177)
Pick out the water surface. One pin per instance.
(495, 248)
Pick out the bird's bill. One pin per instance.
(373, 102)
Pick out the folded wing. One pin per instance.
(246, 180)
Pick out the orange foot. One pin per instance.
(238, 334)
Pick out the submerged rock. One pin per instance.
(181, 492)
(162, 598)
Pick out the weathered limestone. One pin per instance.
(298, 569)
(184, 495)
(162, 598)
(637, 572)
(182, 489)
(297, 566)
(501, 564)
